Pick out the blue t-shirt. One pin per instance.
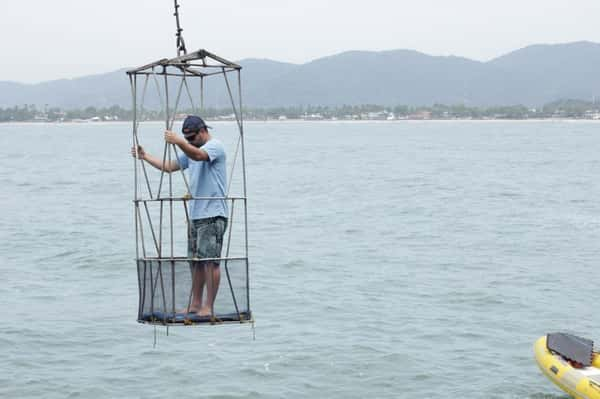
(207, 179)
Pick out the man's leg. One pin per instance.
(197, 272)
(198, 281)
(213, 278)
(211, 244)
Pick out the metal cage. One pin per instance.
(161, 200)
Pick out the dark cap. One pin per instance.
(193, 123)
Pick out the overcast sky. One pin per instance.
(53, 39)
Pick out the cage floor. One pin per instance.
(192, 318)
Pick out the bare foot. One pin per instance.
(191, 309)
(204, 312)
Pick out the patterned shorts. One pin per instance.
(206, 237)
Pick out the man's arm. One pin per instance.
(193, 152)
(157, 163)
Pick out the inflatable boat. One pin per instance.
(570, 362)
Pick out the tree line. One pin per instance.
(576, 109)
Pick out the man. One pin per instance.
(205, 158)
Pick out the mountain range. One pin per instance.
(530, 76)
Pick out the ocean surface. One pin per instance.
(388, 260)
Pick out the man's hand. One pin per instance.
(173, 138)
(141, 154)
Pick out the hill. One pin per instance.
(531, 76)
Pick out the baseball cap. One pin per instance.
(193, 123)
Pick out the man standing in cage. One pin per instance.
(206, 159)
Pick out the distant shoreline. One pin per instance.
(275, 121)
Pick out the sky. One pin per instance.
(46, 40)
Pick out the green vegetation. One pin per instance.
(573, 109)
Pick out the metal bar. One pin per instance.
(159, 190)
(213, 73)
(151, 291)
(160, 229)
(162, 171)
(191, 64)
(202, 54)
(188, 199)
(191, 265)
(244, 189)
(173, 284)
(183, 258)
(151, 226)
(196, 68)
(189, 302)
(170, 127)
(154, 74)
(187, 219)
(248, 285)
(223, 60)
(162, 103)
(235, 157)
(237, 310)
(141, 229)
(174, 146)
(171, 209)
(161, 74)
(208, 322)
(159, 274)
(167, 117)
(187, 186)
(140, 282)
(184, 60)
(189, 93)
(166, 99)
(137, 141)
(138, 264)
(237, 117)
(138, 220)
(142, 299)
(162, 289)
(194, 72)
(202, 94)
(147, 66)
(198, 54)
(171, 121)
(199, 70)
(133, 85)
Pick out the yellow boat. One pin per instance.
(579, 382)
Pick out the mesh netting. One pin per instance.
(166, 294)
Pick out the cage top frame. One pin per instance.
(198, 63)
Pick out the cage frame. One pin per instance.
(200, 64)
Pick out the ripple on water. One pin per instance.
(441, 259)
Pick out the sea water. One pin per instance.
(388, 260)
